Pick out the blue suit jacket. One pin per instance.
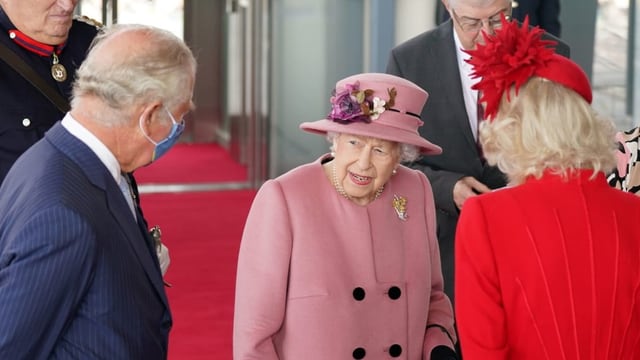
(79, 278)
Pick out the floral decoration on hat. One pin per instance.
(509, 57)
(354, 104)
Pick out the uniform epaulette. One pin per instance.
(90, 21)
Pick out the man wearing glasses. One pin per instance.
(434, 60)
(543, 13)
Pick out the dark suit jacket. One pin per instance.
(78, 277)
(26, 114)
(430, 61)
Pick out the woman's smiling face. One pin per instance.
(363, 165)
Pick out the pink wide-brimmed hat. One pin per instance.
(376, 105)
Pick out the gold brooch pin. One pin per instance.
(400, 205)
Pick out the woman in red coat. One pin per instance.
(546, 268)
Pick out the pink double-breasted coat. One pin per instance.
(320, 277)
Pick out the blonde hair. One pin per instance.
(547, 126)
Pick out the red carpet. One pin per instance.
(193, 163)
(202, 231)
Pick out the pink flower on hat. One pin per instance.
(353, 104)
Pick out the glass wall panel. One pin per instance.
(166, 14)
(610, 70)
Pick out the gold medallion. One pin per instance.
(58, 71)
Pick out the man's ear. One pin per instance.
(148, 111)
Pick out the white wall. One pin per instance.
(414, 17)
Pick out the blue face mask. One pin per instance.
(163, 146)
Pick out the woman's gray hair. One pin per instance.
(408, 153)
(159, 73)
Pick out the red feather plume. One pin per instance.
(509, 57)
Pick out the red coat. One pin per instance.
(550, 270)
(322, 278)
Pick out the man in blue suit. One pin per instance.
(43, 35)
(79, 278)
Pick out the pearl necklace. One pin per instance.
(341, 190)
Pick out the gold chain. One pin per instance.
(341, 190)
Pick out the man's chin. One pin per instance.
(477, 43)
(59, 26)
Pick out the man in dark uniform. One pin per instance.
(46, 38)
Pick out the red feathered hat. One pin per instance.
(512, 56)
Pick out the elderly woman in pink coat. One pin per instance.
(339, 257)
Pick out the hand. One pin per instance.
(163, 257)
(467, 187)
(442, 352)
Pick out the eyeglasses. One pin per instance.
(474, 25)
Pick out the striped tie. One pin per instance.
(125, 187)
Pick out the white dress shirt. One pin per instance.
(470, 96)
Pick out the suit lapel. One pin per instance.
(137, 238)
(99, 176)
